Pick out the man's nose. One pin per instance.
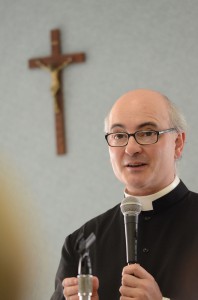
(132, 146)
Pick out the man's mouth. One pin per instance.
(135, 165)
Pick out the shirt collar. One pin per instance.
(147, 201)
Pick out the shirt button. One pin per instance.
(145, 250)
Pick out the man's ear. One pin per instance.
(179, 144)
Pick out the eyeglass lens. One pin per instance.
(142, 137)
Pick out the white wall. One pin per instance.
(129, 44)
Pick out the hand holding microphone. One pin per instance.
(85, 286)
(71, 288)
(139, 284)
(136, 281)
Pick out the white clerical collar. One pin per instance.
(147, 201)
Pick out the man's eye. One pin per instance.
(149, 133)
(145, 134)
(119, 136)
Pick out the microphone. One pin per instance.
(84, 267)
(131, 208)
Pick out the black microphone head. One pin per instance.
(130, 206)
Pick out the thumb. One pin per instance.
(95, 283)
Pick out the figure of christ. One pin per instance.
(55, 82)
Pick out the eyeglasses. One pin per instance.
(142, 137)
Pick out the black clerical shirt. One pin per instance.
(167, 247)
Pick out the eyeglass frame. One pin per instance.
(134, 135)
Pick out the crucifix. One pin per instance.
(54, 64)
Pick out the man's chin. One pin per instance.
(137, 187)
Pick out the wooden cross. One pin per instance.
(54, 64)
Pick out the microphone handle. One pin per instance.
(131, 232)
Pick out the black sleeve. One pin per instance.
(68, 267)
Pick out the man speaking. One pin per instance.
(145, 134)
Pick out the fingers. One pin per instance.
(95, 283)
(137, 271)
(70, 288)
(139, 284)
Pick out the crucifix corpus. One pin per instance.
(54, 64)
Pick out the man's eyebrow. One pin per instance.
(145, 124)
(117, 125)
(140, 126)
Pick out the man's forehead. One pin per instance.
(141, 100)
(140, 108)
(139, 113)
